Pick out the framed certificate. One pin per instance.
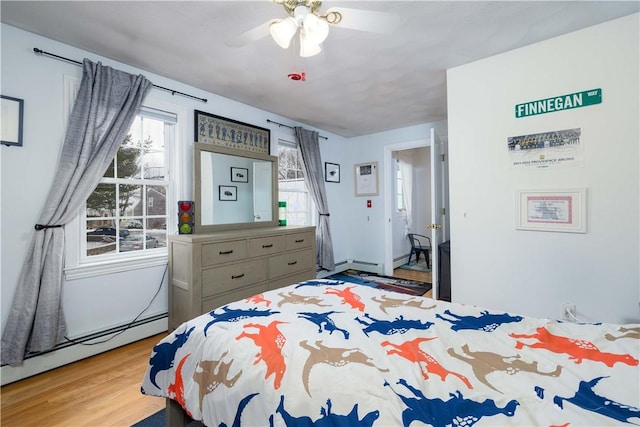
(552, 210)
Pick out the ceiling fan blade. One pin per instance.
(366, 20)
(252, 35)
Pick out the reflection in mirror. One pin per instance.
(234, 189)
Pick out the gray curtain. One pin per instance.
(309, 149)
(106, 105)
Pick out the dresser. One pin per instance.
(209, 270)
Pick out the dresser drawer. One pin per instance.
(281, 265)
(266, 245)
(229, 277)
(212, 303)
(218, 253)
(281, 282)
(299, 241)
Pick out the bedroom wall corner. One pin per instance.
(533, 272)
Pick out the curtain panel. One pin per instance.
(405, 160)
(106, 105)
(309, 149)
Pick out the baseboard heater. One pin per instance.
(84, 340)
(369, 267)
(83, 347)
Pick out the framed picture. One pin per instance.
(366, 179)
(216, 130)
(239, 175)
(552, 210)
(227, 193)
(331, 172)
(11, 126)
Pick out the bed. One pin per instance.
(334, 353)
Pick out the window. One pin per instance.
(400, 206)
(127, 211)
(156, 184)
(291, 186)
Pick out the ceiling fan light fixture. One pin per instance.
(307, 47)
(283, 31)
(316, 29)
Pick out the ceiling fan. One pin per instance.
(306, 18)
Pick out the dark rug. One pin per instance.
(412, 287)
(158, 420)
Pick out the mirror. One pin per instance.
(234, 189)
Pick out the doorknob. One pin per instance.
(434, 226)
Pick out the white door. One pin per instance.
(437, 205)
(262, 208)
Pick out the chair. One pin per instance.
(420, 244)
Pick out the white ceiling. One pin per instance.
(361, 83)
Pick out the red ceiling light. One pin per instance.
(297, 76)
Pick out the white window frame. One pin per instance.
(311, 208)
(78, 266)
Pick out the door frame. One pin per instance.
(389, 174)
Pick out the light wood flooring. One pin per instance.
(415, 275)
(103, 390)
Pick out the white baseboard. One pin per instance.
(351, 264)
(45, 362)
(400, 261)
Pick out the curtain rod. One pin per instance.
(290, 127)
(173, 92)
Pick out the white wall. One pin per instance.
(530, 272)
(101, 302)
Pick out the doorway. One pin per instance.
(438, 191)
(396, 222)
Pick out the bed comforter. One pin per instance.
(333, 353)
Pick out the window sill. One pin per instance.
(114, 266)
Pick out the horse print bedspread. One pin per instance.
(333, 353)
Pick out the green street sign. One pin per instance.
(559, 103)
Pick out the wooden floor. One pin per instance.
(415, 275)
(103, 390)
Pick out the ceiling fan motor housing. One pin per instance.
(290, 5)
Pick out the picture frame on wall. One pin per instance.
(227, 193)
(228, 133)
(239, 174)
(12, 120)
(366, 179)
(331, 172)
(552, 210)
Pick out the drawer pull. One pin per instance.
(292, 263)
(238, 276)
(300, 241)
(226, 252)
(267, 246)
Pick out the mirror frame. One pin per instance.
(197, 188)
